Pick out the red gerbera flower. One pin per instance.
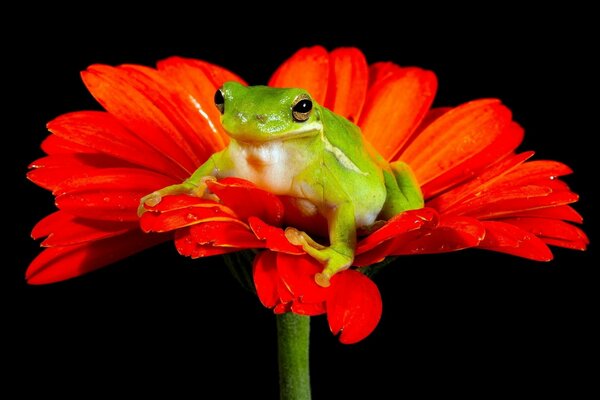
(161, 124)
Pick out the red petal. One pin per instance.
(266, 278)
(452, 233)
(49, 172)
(348, 79)
(201, 80)
(115, 205)
(187, 246)
(573, 245)
(54, 145)
(282, 308)
(101, 132)
(114, 179)
(473, 188)
(507, 238)
(353, 307)
(247, 200)
(566, 213)
(64, 229)
(311, 309)
(232, 233)
(60, 263)
(549, 228)
(408, 221)
(395, 107)
(298, 274)
(373, 256)
(382, 70)
(307, 69)
(180, 109)
(455, 137)
(132, 104)
(152, 221)
(274, 237)
(503, 145)
(514, 200)
(538, 169)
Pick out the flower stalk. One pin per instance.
(293, 335)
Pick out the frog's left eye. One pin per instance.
(301, 108)
(220, 101)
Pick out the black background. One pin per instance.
(470, 323)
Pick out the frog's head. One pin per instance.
(261, 113)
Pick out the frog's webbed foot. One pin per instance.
(188, 188)
(335, 260)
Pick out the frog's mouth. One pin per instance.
(310, 129)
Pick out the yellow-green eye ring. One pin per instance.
(302, 107)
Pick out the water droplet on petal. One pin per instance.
(191, 217)
(106, 199)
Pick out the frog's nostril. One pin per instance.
(262, 118)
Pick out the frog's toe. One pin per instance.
(150, 200)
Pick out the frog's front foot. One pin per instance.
(188, 188)
(334, 260)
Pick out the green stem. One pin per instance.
(292, 342)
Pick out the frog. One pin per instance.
(284, 142)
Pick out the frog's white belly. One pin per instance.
(269, 166)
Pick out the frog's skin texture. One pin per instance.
(286, 143)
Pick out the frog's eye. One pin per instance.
(220, 101)
(301, 108)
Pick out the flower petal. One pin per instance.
(247, 200)
(353, 306)
(506, 142)
(455, 137)
(348, 80)
(395, 107)
(407, 221)
(507, 238)
(274, 237)
(181, 110)
(154, 221)
(478, 184)
(101, 132)
(550, 228)
(63, 229)
(298, 274)
(114, 179)
(307, 69)
(310, 309)
(187, 246)
(452, 233)
(266, 278)
(59, 263)
(201, 80)
(565, 213)
(54, 145)
(132, 104)
(508, 201)
(233, 233)
(119, 206)
(48, 172)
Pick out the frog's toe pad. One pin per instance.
(322, 279)
(150, 200)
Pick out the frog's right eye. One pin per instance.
(220, 101)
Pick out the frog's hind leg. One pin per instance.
(342, 236)
(403, 190)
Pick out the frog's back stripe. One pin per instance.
(341, 157)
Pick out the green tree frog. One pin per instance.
(286, 143)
